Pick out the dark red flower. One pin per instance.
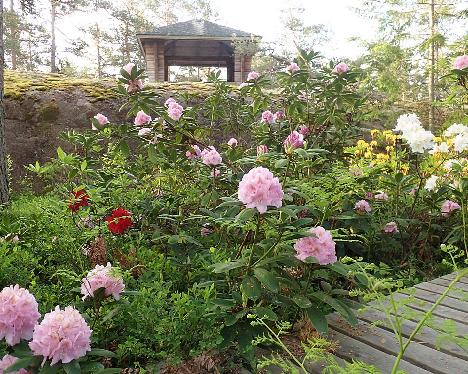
(80, 198)
(119, 221)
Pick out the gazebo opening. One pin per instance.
(194, 73)
(198, 44)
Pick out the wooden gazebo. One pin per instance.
(195, 43)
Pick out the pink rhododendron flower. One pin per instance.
(128, 68)
(448, 207)
(461, 62)
(262, 149)
(341, 68)
(320, 245)
(293, 141)
(293, 68)
(144, 131)
(382, 196)
(369, 195)
(194, 153)
(101, 119)
(304, 130)
(142, 118)
(260, 189)
(18, 314)
(253, 75)
(102, 277)
(232, 142)
(63, 335)
(174, 110)
(169, 102)
(362, 207)
(211, 157)
(279, 116)
(135, 85)
(7, 361)
(267, 117)
(391, 228)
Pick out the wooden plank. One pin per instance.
(457, 294)
(448, 301)
(353, 349)
(418, 354)
(440, 311)
(451, 276)
(426, 336)
(446, 283)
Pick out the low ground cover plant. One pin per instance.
(158, 239)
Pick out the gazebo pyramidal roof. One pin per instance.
(195, 29)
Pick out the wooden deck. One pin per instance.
(378, 346)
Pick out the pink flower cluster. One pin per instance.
(262, 149)
(144, 131)
(304, 130)
(194, 153)
(320, 245)
(391, 228)
(278, 116)
(211, 157)
(252, 76)
(382, 196)
(340, 68)
(260, 189)
(232, 142)
(105, 277)
(101, 121)
(7, 361)
(141, 118)
(293, 68)
(129, 67)
(293, 141)
(362, 207)
(18, 314)
(63, 335)
(268, 117)
(461, 62)
(448, 207)
(135, 84)
(174, 109)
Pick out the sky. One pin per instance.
(263, 17)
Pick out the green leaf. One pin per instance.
(72, 368)
(61, 154)
(101, 353)
(251, 287)
(110, 371)
(91, 367)
(245, 215)
(267, 313)
(301, 301)
(267, 278)
(318, 319)
(281, 163)
(223, 267)
(340, 268)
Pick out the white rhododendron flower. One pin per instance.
(440, 148)
(417, 138)
(456, 129)
(460, 142)
(431, 183)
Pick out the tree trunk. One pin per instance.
(13, 35)
(4, 196)
(432, 62)
(53, 47)
(98, 46)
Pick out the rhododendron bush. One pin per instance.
(163, 233)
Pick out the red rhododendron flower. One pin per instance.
(119, 221)
(80, 198)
